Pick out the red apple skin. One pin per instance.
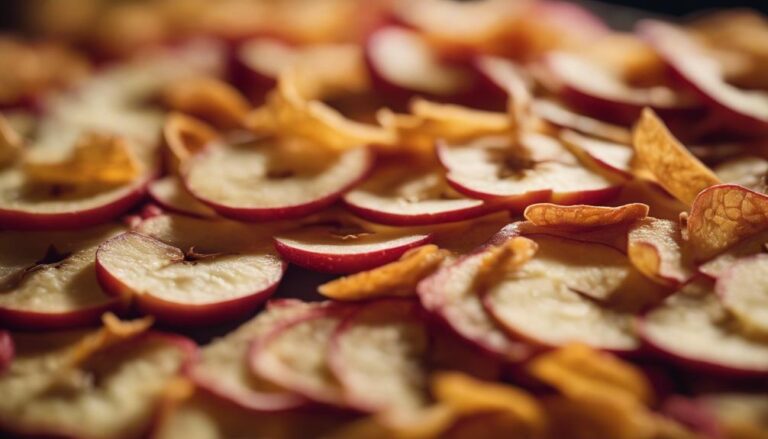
(7, 350)
(39, 321)
(393, 219)
(253, 83)
(344, 263)
(177, 314)
(284, 212)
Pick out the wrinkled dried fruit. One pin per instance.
(657, 249)
(583, 216)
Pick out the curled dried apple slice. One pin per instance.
(169, 192)
(692, 328)
(723, 215)
(537, 169)
(410, 196)
(656, 248)
(450, 294)
(48, 279)
(747, 110)
(397, 278)
(561, 116)
(583, 216)
(223, 367)
(293, 355)
(615, 158)
(748, 171)
(742, 290)
(184, 136)
(46, 394)
(208, 98)
(188, 271)
(673, 166)
(378, 355)
(265, 180)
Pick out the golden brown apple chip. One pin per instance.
(210, 99)
(724, 215)
(673, 166)
(183, 136)
(397, 278)
(113, 331)
(96, 159)
(583, 216)
(502, 259)
(657, 249)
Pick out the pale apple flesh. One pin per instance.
(169, 192)
(743, 290)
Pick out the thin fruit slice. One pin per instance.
(209, 99)
(546, 312)
(224, 371)
(561, 116)
(673, 166)
(46, 394)
(188, 271)
(293, 355)
(378, 354)
(748, 171)
(723, 215)
(402, 196)
(692, 327)
(656, 248)
(267, 181)
(538, 169)
(450, 294)
(582, 216)
(170, 193)
(602, 155)
(748, 111)
(743, 290)
(750, 246)
(48, 278)
(340, 248)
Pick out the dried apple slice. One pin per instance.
(450, 294)
(188, 271)
(742, 290)
(538, 169)
(615, 158)
(268, 181)
(748, 171)
(656, 248)
(673, 166)
(47, 394)
(747, 110)
(346, 248)
(183, 137)
(582, 216)
(661, 204)
(259, 61)
(223, 368)
(378, 354)
(48, 278)
(209, 99)
(293, 355)
(600, 92)
(410, 196)
(723, 215)
(692, 327)
(169, 192)
(561, 116)
(718, 265)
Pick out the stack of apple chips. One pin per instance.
(409, 219)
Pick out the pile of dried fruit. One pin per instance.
(544, 228)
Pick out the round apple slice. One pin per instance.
(47, 394)
(538, 169)
(692, 327)
(340, 248)
(293, 355)
(170, 193)
(223, 366)
(47, 279)
(743, 290)
(601, 93)
(188, 271)
(746, 110)
(378, 355)
(267, 181)
(401, 196)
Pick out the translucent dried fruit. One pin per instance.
(673, 166)
(184, 136)
(500, 260)
(210, 99)
(583, 216)
(397, 278)
(656, 248)
(96, 159)
(723, 215)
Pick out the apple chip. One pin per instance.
(723, 215)
(577, 370)
(583, 216)
(455, 122)
(673, 166)
(503, 258)
(717, 266)
(561, 116)
(11, 142)
(656, 248)
(96, 159)
(397, 278)
(601, 155)
(743, 290)
(184, 136)
(209, 99)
